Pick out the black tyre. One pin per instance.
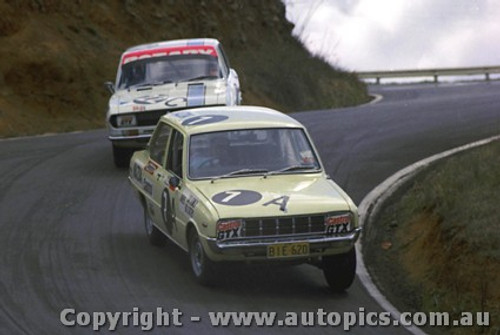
(155, 236)
(121, 156)
(203, 268)
(340, 270)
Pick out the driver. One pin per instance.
(214, 157)
(213, 70)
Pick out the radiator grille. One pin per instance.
(284, 226)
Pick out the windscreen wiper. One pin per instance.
(293, 168)
(199, 78)
(149, 85)
(240, 172)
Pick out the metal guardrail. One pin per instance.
(435, 73)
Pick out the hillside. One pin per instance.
(55, 56)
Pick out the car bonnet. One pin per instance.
(170, 96)
(276, 195)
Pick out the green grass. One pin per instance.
(443, 233)
(464, 194)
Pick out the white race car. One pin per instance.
(154, 79)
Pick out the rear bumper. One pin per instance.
(256, 250)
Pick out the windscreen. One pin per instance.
(168, 69)
(247, 152)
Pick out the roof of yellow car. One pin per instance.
(207, 119)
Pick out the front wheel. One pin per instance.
(203, 268)
(340, 270)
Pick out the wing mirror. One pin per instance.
(110, 86)
(173, 183)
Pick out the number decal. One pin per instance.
(198, 120)
(204, 119)
(237, 197)
(166, 211)
(232, 194)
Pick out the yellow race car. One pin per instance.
(244, 183)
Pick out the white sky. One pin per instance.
(363, 35)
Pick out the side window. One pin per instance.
(158, 144)
(175, 150)
(224, 61)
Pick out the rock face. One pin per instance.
(55, 56)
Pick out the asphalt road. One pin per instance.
(72, 236)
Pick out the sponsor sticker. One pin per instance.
(188, 203)
(229, 229)
(151, 167)
(338, 224)
(148, 186)
(196, 95)
(172, 51)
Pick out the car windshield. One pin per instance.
(168, 69)
(250, 152)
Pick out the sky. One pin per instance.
(370, 35)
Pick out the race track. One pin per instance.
(72, 236)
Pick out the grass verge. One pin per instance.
(437, 243)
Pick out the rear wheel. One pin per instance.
(155, 236)
(203, 268)
(340, 270)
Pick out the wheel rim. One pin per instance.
(197, 256)
(148, 223)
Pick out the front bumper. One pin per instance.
(256, 250)
(130, 137)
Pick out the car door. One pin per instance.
(171, 178)
(153, 173)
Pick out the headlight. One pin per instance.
(126, 120)
(336, 224)
(220, 87)
(227, 229)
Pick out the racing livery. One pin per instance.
(158, 78)
(244, 183)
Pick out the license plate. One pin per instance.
(287, 250)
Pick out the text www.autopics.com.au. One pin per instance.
(159, 318)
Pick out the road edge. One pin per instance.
(371, 204)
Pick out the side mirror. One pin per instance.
(235, 82)
(110, 86)
(173, 183)
(233, 73)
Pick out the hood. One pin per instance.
(276, 195)
(169, 96)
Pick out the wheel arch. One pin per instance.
(189, 228)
